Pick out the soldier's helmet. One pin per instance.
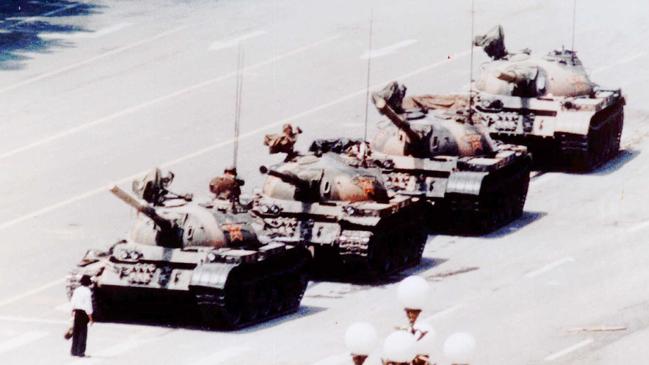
(230, 170)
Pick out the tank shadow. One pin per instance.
(526, 219)
(617, 162)
(25, 22)
(188, 318)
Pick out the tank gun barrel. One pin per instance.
(285, 177)
(396, 119)
(141, 207)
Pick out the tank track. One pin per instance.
(255, 292)
(584, 153)
(396, 244)
(501, 201)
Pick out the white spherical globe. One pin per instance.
(360, 338)
(426, 338)
(459, 348)
(413, 292)
(399, 347)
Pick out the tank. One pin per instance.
(549, 104)
(428, 148)
(343, 213)
(182, 256)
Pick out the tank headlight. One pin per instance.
(211, 257)
(274, 209)
(264, 209)
(349, 210)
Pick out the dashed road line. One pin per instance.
(21, 340)
(52, 12)
(90, 60)
(228, 43)
(548, 267)
(380, 52)
(31, 292)
(86, 35)
(568, 350)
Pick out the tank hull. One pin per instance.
(576, 134)
(375, 240)
(237, 289)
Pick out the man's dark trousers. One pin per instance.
(79, 333)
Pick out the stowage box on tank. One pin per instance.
(185, 253)
(549, 104)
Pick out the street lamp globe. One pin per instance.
(360, 338)
(426, 338)
(459, 348)
(412, 292)
(399, 347)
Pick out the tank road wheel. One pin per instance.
(232, 315)
(264, 297)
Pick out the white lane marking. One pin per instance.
(222, 356)
(86, 35)
(443, 313)
(207, 149)
(134, 341)
(21, 340)
(380, 52)
(568, 350)
(334, 360)
(90, 60)
(33, 320)
(51, 12)
(157, 100)
(639, 227)
(227, 43)
(548, 267)
(31, 292)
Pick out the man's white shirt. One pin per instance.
(82, 299)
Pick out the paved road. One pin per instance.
(112, 88)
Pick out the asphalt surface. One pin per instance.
(95, 93)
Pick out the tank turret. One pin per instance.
(343, 213)
(324, 179)
(426, 133)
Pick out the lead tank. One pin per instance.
(549, 104)
(429, 148)
(343, 214)
(205, 261)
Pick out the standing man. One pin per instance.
(82, 315)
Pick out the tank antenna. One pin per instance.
(471, 64)
(369, 64)
(574, 21)
(237, 106)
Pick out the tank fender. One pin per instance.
(212, 275)
(576, 122)
(465, 182)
